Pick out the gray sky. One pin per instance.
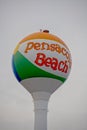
(68, 20)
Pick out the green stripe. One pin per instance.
(26, 69)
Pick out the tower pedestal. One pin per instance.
(40, 108)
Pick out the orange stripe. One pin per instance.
(43, 35)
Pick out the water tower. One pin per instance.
(41, 63)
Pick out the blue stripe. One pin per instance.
(14, 70)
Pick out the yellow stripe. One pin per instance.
(17, 47)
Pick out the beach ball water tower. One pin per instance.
(41, 63)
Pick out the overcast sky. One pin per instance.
(68, 20)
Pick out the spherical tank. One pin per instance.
(41, 62)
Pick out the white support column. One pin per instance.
(40, 108)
